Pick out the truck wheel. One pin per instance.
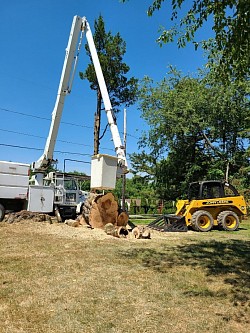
(2, 212)
(228, 220)
(202, 221)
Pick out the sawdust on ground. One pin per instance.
(63, 230)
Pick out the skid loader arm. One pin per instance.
(181, 207)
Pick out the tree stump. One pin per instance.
(101, 209)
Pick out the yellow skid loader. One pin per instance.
(209, 204)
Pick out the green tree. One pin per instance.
(175, 110)
(122, 91)
(132, 207)
(196, 127)
(144, 205)
(83, 180)
(135, 188)
(228, 121)
(230, 27)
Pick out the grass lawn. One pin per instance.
(55, 278)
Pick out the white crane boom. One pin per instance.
(120, 151)
(79, 26)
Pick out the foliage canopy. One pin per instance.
(230, 27)
(197, 128)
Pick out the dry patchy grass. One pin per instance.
(55, 278)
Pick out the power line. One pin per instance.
(43, 118)
(48, 119)
(21, 147)
(42, 137)
(40, 149)
(21, 133)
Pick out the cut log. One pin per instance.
(146, 233)
(141, 232)
(72, 223)
(109, 228)
(86, 208)
(122, 232)
(136, 232)
(122, 219)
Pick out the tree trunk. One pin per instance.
(97, 123)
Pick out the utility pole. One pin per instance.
(124, 144)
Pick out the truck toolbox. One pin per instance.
(14, 168)
(14, 180)
(13, 192)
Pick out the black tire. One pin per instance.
(202, 221)
(2, 212)
(228, 220)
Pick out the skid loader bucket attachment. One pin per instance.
(169, 223)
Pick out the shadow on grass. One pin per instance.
(229, 260)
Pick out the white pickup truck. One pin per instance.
(14, 185)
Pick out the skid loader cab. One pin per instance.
(210, 189)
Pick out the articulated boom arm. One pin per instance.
(64, 89)
(120, 151)
(79, 26)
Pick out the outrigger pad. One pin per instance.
(169, 223)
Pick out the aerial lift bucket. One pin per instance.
(169, 223)
(103, 172)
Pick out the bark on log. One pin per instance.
(120, 232)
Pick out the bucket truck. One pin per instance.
(80, 26)
(59, 192)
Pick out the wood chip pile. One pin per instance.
(26, 215)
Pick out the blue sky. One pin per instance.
(34, 35)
